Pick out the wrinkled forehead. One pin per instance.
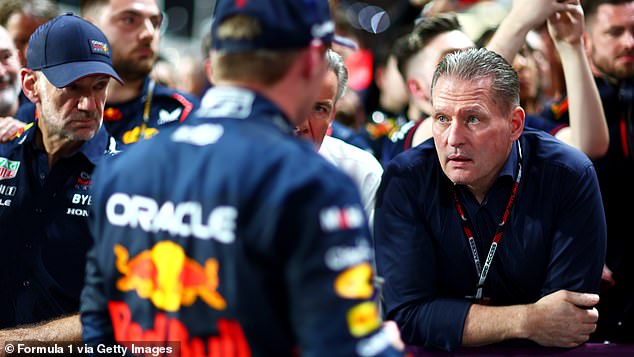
(144, 7)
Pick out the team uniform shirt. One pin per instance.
(141, 118)
(615, 171)
(360, 165)
(234, 236)
(44, 220)
(380, 129)
(553, 239)
(401, 140)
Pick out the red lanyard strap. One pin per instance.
(483, 272)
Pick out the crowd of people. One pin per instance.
(478, 198)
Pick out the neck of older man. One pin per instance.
(55, 144)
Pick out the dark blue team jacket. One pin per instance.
(227, 233)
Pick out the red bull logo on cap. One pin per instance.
(166, 276)
(8, 168)
(99, 47)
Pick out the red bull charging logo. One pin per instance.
(168, 278)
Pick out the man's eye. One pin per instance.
(442, 119)
(128, 20)
(473, 120)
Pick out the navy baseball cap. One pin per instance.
(285, 24)
(68, 48)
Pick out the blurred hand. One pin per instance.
(9, 127)
(567, 26)
(607, 281)
(535, 12)
(394, 335)
(563, 318)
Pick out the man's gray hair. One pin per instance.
(336, 64)
(472, 64)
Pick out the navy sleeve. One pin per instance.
(95, 318)
(579, 244)
(406, 259)
(331, 250)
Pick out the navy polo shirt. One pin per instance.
(554, 239)
(45, 237)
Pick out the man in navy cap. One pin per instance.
(45, 179)
(237, 236)
(140, 108)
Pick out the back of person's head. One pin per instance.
(473, 64)
(257, 41)
(424, 32)
(42, 9)
(336, 64)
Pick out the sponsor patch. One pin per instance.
(184, 219)
(229, 340)
(200, 135)
(77, 212)
(373, 345)
(99, 48)
(138, 133)
(341, 218)
(112, 114)
(168, 117)
(227, 103)
(363, 319)
(170, 279)
(8, 190)
(340, 257)
(83, 181)
(8, 168)
(355, 282)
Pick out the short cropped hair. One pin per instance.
(472, 64)
(262, 66)
(43, 9)
(424, 32)
(590, 6)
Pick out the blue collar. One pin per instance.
(92, 149)
(241, 103)
(510, 166)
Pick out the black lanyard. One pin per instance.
(483, 272)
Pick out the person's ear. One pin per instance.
(29, 84)
(208, 69)
(315, 60)
(416, 89)
(517, 122)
